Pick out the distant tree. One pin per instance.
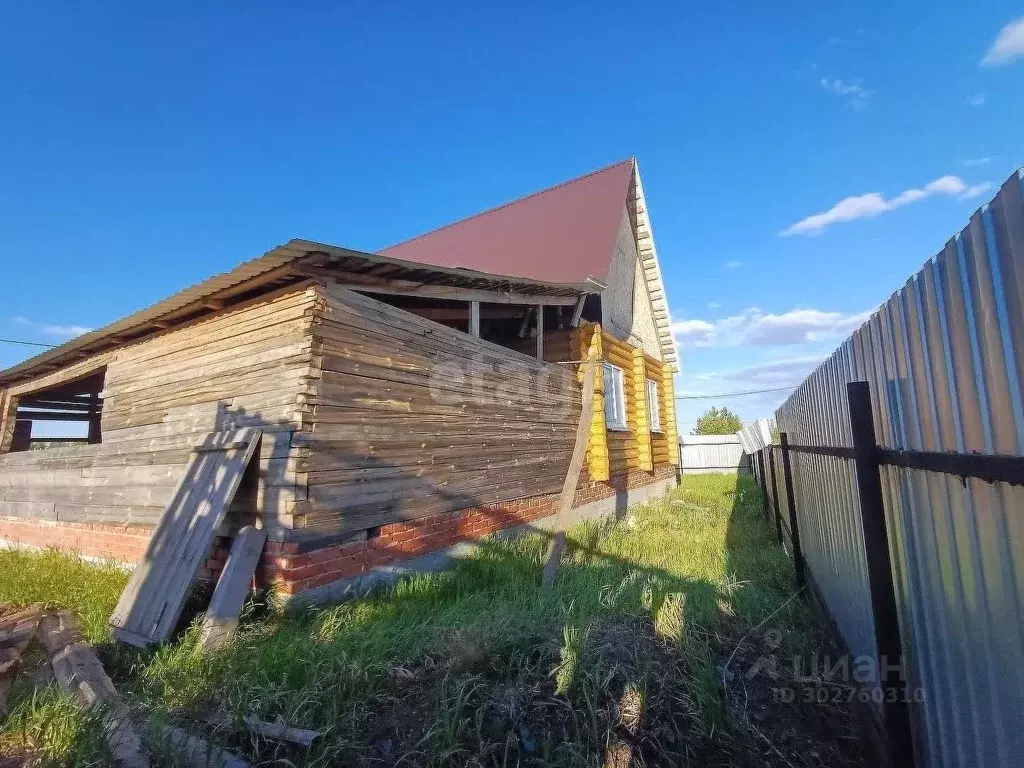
(718, 421)
(774, 430)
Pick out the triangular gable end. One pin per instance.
(648, 255)
(563, 234)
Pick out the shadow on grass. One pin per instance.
(621, 662)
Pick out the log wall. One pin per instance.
(413, 418)
(248, 366)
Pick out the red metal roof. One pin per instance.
(564, 234)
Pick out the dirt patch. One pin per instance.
(628, 700)
(789, 717)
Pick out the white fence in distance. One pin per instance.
(712, 453)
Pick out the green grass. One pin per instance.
(480, 665)
(87, 589)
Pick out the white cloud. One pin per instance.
(873, 204)
(977, 100)
(52, 329)
(67, 331)
(1008, 45)
(774, 373)
(714, 305)
(754, 327)
(857, 94)
(782, 376)
(694, 332)
(975, 162)
(733, 264)
(976, 190)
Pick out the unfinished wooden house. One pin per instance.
(401, 401)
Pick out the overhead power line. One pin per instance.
(736, 394)
(27, 343)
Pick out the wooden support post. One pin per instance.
(22, 435)
(775, 492)
(540, 332)
(525, 325)
(794, 528)
(572, 475)
(95, 419)
(474, 319)
(577, 313)
(892, 672)
(761, 480)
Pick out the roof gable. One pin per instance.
(562, 234)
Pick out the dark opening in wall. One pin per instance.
(373, 533)
(63, 414)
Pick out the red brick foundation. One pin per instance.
(293, 570)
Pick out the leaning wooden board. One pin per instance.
(151, 604)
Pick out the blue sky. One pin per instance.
(144, 149)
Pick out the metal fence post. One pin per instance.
(761, 481)
(883, 591)
(794, 529)
(775, 493)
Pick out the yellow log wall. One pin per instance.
(584, 339)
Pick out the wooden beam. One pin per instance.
(369, 284)
(474, 319)
(232, 587)
(465, 294)
(95, 419)
(460, 314)
(540, 332)
(577, 313)
(572, 475)
(52, 416)
(525, 325)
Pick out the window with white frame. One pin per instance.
(653, 405)
(614, 397)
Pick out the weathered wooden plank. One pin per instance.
(572, 477)
(79, 672)
(195, 751)
(276, 731)
(152, 601)
(16, 631)
(232, 587)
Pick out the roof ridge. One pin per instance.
(631, 159)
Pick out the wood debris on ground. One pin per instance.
(274, 731)
(17, 628)
(80, 672)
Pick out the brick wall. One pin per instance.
(292, 569)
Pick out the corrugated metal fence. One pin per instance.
(711, 453)
(943, 359)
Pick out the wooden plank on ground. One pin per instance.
(232, 587)
(79, 672)
(195, 751)
(151, 604)
(16, 631)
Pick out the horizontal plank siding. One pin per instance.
(249, 366)
(412, 418)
